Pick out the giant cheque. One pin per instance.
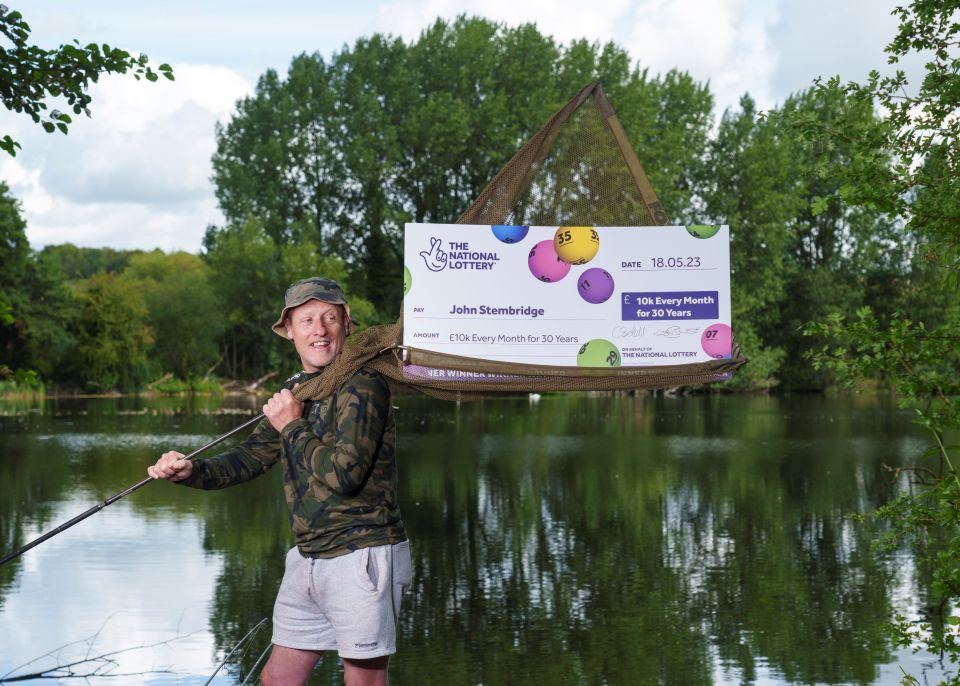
(600, 296)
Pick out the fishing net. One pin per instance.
(578, 170)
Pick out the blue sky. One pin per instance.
(136, 175)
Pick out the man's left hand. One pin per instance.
(282, 409)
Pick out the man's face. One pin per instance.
(317, 331)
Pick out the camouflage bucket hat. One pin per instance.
(313, 288)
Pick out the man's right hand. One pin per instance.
(171, 466)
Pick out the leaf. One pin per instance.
(819, 205)
(9, 145)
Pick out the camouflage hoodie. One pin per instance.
(339, 467)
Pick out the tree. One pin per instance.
(82, 263)
(35, 307)
(245, 263)
(14, 254)
(907, 164)
(113, 336)
(345, 151)
(183, 312)
(30, 75)
(748, 185)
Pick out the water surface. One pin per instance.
(574, 540)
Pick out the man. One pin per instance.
(351, 563)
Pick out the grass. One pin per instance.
(206, 385)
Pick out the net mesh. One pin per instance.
(577, 170)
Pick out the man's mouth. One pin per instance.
(320, 344)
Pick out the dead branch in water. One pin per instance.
(89, 666)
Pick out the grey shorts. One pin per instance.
(348, 603)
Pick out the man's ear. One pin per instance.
(286, 325)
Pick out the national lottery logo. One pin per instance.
(435, 258)
(457, 256)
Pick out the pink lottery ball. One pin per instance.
(595, 285)
(717, 341)
(545, 264)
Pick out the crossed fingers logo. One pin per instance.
(435, 258)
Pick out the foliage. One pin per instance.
(35, 306)
(922, 365)
(30, 75)
(907, 165)
(344, 151)
(81, 262)
(184, 314)
(114, 336)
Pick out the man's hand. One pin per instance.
(282, 409)
(171, 466)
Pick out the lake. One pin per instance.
(567, 540)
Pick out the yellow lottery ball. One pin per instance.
(576, 244)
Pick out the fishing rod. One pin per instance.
(114, 498)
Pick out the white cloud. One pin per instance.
(134, 175)
(826, 38)
(565, 20)
(123, 225)
(722, 41)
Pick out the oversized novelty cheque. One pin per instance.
(569, 296)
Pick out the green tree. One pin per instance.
(184, 314)
(275, 159)
(797, 253)
(245, 264)
(81, 263)
(343, 152)
(908, 166)
(31, 75)
(14, 254)
(113, 337)
(835, 249)
(36, 309)
(748, 185)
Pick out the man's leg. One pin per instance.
(372, 672)
(290, 667)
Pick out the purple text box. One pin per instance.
(661, 306)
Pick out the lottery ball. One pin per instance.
(717, 341)
(703, 230)
(595, 285)
(598, 353)
(509, 234)
(545, 264)
(576, 244)
(407, 280)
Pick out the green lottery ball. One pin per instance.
(576, 244)
(703, 230)
(598, 353)
(407, 280)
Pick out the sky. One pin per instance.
(137, 173)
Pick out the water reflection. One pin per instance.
(578, 540)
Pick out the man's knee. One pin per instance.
(289, 667)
